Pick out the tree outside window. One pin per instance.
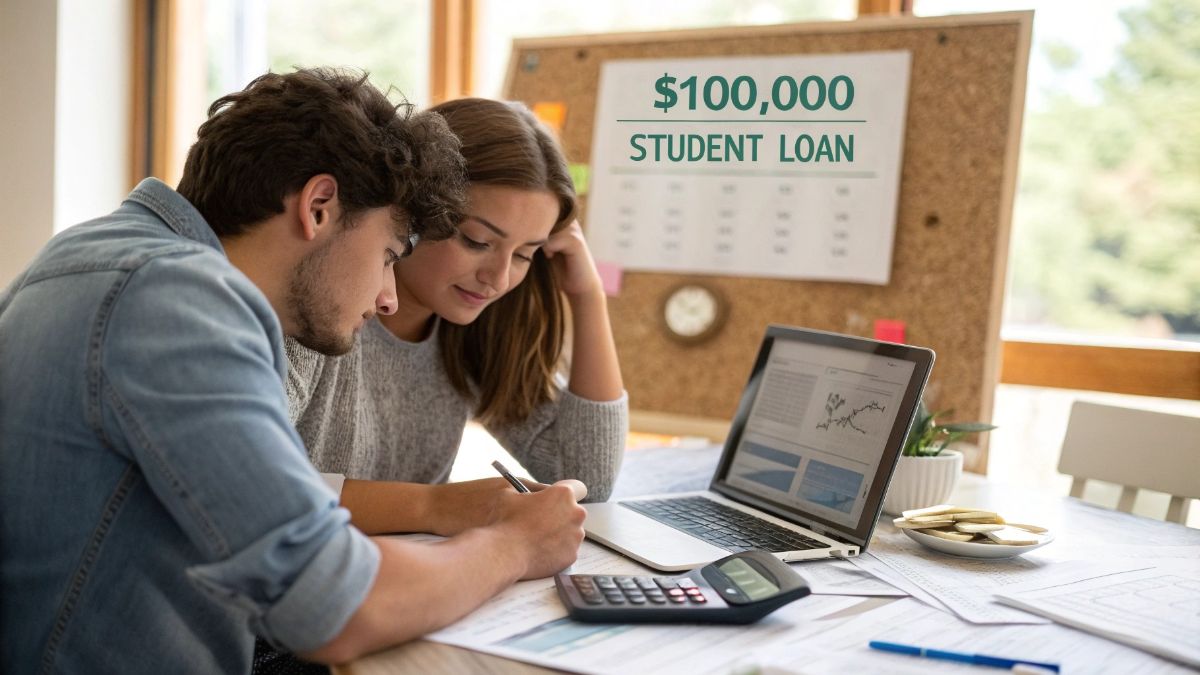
(1106, 232)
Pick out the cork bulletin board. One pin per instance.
(965, 103)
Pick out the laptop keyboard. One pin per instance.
(720, 525)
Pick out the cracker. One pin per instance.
(950, 534)
(910, 525)
(986, 516)
(1012, 537)
(931, 519)
(978, 527)
(969, 524)
(937, 510)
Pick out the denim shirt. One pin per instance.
(157, 508)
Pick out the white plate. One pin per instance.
(972, 549)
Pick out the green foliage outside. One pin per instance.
(1107, 222)
(389, 39)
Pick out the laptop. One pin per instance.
(809, 455)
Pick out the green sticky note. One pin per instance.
(581, 175)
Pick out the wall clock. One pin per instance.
(693, 312)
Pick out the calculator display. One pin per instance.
(748, 579)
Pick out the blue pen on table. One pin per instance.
(976, 659)
(509, 477)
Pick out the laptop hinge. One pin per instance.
(834, 535)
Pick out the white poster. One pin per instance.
(782, 166)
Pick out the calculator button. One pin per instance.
(593, 599)
(698, 598)
(615, 599)
(605, 583)
(646, 583)
(677, 599)
(626, 582)
(637, 599)
(666, 583)
(659, 599)
(687, 583)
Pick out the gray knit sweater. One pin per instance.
(387, 411)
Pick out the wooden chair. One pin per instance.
(1136, 449)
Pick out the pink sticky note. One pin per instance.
(610, 276)
(889, 330)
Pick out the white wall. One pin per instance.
(27, 80)
(65, 71)
(92, 136)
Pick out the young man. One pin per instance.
(157, 510)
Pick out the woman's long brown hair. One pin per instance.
(509, 354)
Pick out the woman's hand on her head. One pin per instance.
(572, 261)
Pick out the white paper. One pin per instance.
(966, 585)
(868, 563)
(841, 577)
(662, 470)
(1157, 609)
(906, 621)
(815, 635)
(761, 198)
(528, 623)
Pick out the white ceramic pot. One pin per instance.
(923, 481)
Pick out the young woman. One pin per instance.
(478, 333)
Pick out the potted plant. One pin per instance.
(928, 470)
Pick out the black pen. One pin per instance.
(509, 477)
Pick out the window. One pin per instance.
(1106, 226)
(389, 39)
(1106, 231)
(499, 22)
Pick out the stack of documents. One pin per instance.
(965, 586)
(1156, 610)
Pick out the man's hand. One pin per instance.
(421, 587)
(546, 525)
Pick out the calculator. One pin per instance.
(741, 588)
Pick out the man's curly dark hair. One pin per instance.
(265, 142)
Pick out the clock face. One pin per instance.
(692, 311)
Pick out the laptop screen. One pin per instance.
(821, 426)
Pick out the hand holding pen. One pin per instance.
(520, 487)
(577, 487)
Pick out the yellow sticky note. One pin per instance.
(581, 176)
(552, 114)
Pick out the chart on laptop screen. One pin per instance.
(817, 430)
